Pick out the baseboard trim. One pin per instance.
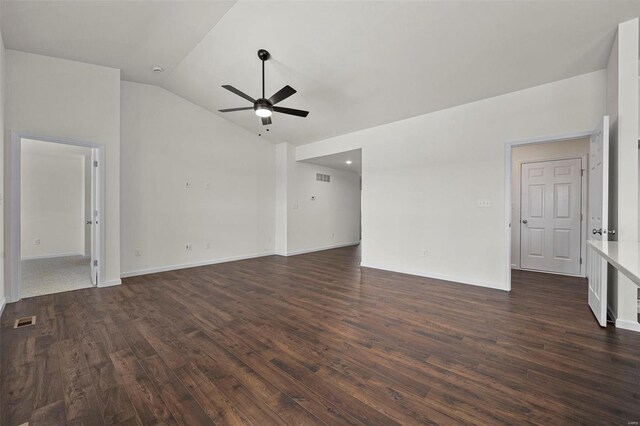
(435, 276)
(312, 250)
(3, 303)
(628, 325)
(110, 283)
(193, 265)
(51, 256)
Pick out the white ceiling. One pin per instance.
(130, 35)
(339, 161)
(355, 64)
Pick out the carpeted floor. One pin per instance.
(54, 275)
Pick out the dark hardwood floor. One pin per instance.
(313, 339)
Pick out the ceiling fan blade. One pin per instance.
(282, 94)
(235, 109)
(291, 111)
(266, 121)
(239, 93)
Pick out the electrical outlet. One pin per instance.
(188, 247)
(36, 242)
(207, 246)
(484, 202)
(425, 253)
(138, 252)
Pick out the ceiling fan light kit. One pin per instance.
(264, 107)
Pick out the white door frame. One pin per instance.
(14, 199)
(508, 159)
(583, 210)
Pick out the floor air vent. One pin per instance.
(25, 322)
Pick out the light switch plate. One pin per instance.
(484, 202)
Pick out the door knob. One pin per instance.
(610, 232)
(89, 222)
(524, 221)
(598, 231)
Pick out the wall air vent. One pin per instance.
(323, 178)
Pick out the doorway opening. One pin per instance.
(338, 209)
(548, 207)
(536, 157)
(57, 197)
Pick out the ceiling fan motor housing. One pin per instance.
(263, 104)
(263, 55)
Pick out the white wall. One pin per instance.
(63, 99)
(168, 141)
(422, 178)
(52, 205)
(622, 106)
(575, 148)
(285, 157)
(2, 191)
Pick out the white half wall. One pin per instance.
(67, 100)
(423, 177)
(52, 205)
(228, 210)
(575, 148)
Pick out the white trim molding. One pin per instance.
(312, 250)
(109, 283)
(435, 276)
(628, 325)
(52, 256)
(3, 303)
(193, 264)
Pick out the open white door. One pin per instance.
(93, 218)
(598, 218)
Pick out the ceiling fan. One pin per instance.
(265, 107)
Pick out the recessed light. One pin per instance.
(157, 69)
(348, 161)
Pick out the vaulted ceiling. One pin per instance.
(355, 64)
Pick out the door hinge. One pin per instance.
(581, 217)
(581, 261)
(95, 263)
(582, 172)
(95, 164)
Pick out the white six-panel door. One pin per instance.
(551, 198)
